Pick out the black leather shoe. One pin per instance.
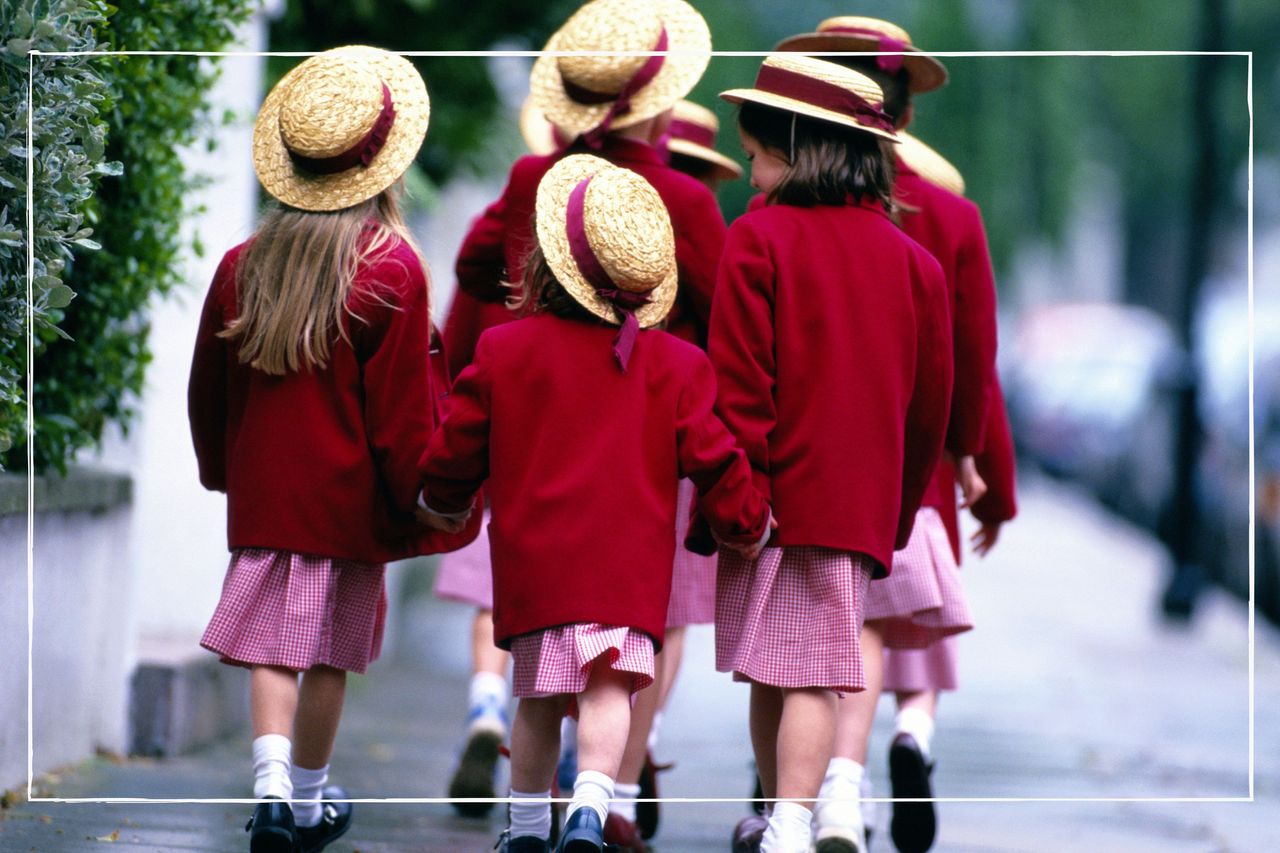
(583, 833)
(473, 777)
(335, 820)
(521, 844)
(913, 825)
(271, 828)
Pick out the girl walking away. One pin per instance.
(311, 399)
(922, 602)
(617, 108)
(690, 144)
(581, 423)
(831, 340)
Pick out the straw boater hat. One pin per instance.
(818, 89)
(592, 94)
(929, 164)
(693, 133)
(607, 238)
(868, 35)
(340, 128)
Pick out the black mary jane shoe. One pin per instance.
(913, 825)
(271, 829)
(335, 820)
(521, 844)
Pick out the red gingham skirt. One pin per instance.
(693, 576)
(558, 660)
(913, 670)
(297, 611)
(792, 618)
(466, 575)
(922, 600)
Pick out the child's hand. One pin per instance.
(446, 522)
(750, 552)
(972, 486)
(985, 539)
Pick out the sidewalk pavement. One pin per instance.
(1072, 688)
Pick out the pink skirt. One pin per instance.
(297, 611)
(793, 617)
(559, 660)
(914, 670)
(693, 576)
(466, 575)
(922, 600)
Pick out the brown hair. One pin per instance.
(826, 162)
(294, 279)
(541, 291)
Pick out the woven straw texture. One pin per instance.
(620, 25)
(924, 72)
(703, 117)
(627, 227)
(828, 72)
(323, 107)
(929, 164)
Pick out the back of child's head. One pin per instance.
(540, 291)
(894, 84)
(827, 163)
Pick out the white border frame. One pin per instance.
(30, 431)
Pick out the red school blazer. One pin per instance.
(831, 341)
(581, 463)
(501, 238)
(323, 461)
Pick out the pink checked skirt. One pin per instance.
(922, 600)
(693, 576)
(913, 670)
(297, 611)
(466, 575)
(792, 618)
(559, 660)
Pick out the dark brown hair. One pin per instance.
(826, 162)
(542, 291)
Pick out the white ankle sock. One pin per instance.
(307, 785)
(530, 818)
(843, 779)
(592, 790)
(789, 829)
(271, 763)
(487, 700)
(624, 800)
(918, 724)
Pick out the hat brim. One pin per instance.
(929, 164)
(924, 73)
(553, 237)
(689, 52)
(298, 188)
(726, 169)
(769, 99)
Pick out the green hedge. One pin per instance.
(152, 107)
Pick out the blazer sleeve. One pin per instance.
(399, 388)
(207, 384)
(699, 244)
(998, 465)
(481, 265)
(717, 466)
(741, 346)
(456, 461)
(928, 412)
(974, 323)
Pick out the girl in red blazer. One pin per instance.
(831, 340)
(581, 430)
(617, 108)
(311, 398)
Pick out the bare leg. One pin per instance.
(669, 663)
(319, 710)
(765, 719)
(925, 700)
(485, 656)
(604, 720)
(642, 712)
(535, 742)
(805, 735)
(857, 711)
(273, 700)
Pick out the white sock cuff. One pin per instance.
(623, 791)
(595, 777)
(305, 777)
(531, 818)
(488, 684)
(918, 724)
(272, 762)
(846, 769)
(272, 746)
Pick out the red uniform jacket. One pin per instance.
(495, 248)
(831, 340)
(324, 461)
(582, 462)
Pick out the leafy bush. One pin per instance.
(155, 105)
(69, 142)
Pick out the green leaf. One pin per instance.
(19, 47)
(60, 296)
(86, 243)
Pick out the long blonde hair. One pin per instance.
(295, 275)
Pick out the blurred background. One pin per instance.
(1115, 191)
